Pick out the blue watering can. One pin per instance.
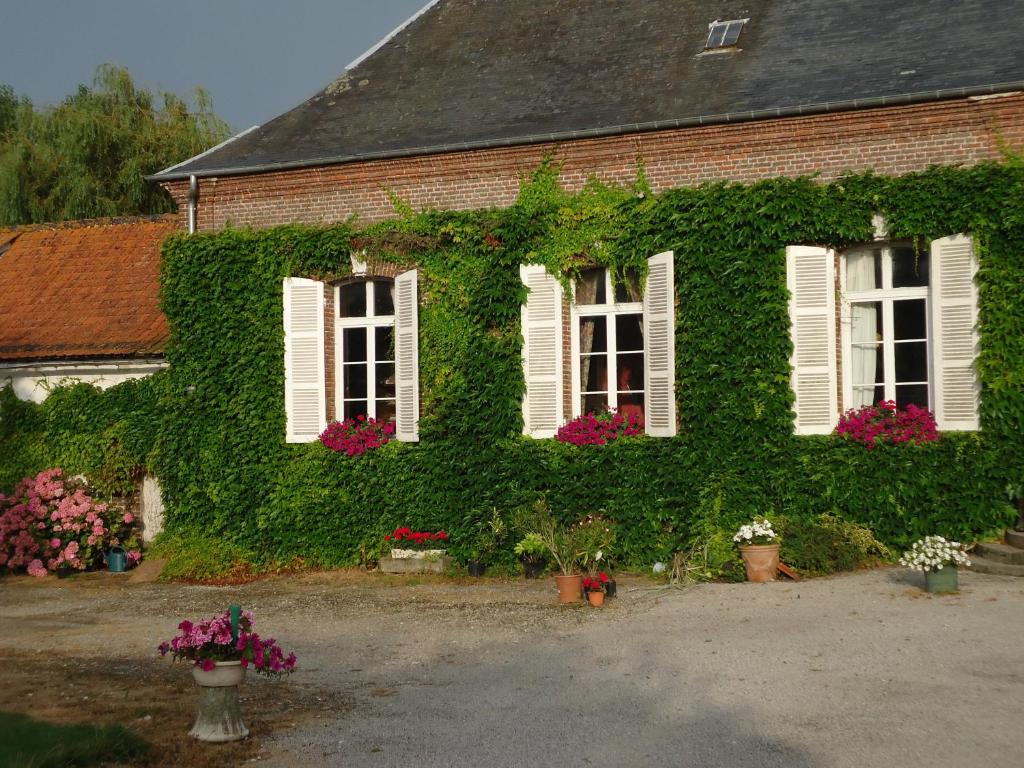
(117, 560)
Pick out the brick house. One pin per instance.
(79, 301)
(461, 101)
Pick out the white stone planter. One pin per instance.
(416, 554)
(219, 716)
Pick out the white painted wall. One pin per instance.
(33, 381)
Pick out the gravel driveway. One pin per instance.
(858, 670)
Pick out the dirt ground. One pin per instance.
(856, 670)
(83, 649)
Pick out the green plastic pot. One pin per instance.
(942, 581)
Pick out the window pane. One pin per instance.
(384, 343)
(385, 410)
(864, 270)
(912, 393)
(352, 300)
(629, 332)
(879, 394)
(594, 373)
(595, 403)
(353, 345)
(912, 361)
(628, 289)
(384, 375)
(867, 322)
(909, 319)
(909, 269)
(630, 372)
(732, 33)
(383, 297)
(632, 404)
(867, 364)
(355, 408)
(863, 396)
(716, 35)
(593, 335)
(354, 380)
(590, 287)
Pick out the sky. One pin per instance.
(256, 58)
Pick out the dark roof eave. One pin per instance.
(594, 133)
(57, 358)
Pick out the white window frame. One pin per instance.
(371, 320)
(609, 311)
(886, 295)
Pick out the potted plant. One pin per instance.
(486, 536)
(759, 546)
(533, 554)
(416, 545)
(562, 545)
(221, 649)
(596, 537)
(570, 548)
(595, 588)
(938, 559)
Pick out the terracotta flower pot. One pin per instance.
(596, 597)
(761, 560)
(570, 588)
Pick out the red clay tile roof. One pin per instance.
(87, 289)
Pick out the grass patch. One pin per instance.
(206, 559)
(28, 743)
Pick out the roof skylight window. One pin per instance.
(724, 34)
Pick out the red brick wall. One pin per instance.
(890, 140)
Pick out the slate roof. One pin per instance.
(82, 290)
(476, 73)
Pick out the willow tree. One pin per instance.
(87, 156)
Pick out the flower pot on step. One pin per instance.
(219, 716)
(942, 582)
(475, 568)
(761, 561)
(570, 588)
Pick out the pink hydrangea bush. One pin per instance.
(50, 522)
(600, 428)
(209, 641)
(354, 437)
(885, 424)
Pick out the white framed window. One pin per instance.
(607, 344)
(365, 350)
(885, 314)
(620, 351)
(907, 330)
(376, 354)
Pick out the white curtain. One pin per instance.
(860, 276)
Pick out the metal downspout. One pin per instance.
(193, 197)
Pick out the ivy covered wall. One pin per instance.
(227, 473)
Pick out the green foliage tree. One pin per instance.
(87, 157)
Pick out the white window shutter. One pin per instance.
(810, 275)
(542, 352)
(954, 304)
(660, 346)
(304, 391)
(407, 358)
